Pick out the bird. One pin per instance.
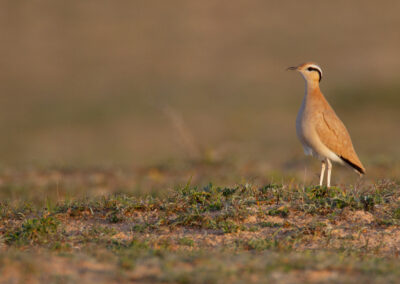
(320, 131)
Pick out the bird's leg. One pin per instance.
(329, 172)
(321, 178)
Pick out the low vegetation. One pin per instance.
(207, 234)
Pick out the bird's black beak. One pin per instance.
(292, 68)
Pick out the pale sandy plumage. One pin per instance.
(320, 130)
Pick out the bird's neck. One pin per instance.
(312, 89)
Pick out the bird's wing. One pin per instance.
(335, 136)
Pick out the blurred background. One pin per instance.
(141, 84)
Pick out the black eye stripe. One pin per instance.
(315, 69)
(312, 69)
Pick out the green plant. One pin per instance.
(39, 230)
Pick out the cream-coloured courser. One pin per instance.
(320, 130)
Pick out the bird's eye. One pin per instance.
(310, 68)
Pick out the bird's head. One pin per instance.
(310, 71)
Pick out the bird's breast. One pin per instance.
(305, 129)
(302, 127)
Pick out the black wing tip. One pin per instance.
(360, 170)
